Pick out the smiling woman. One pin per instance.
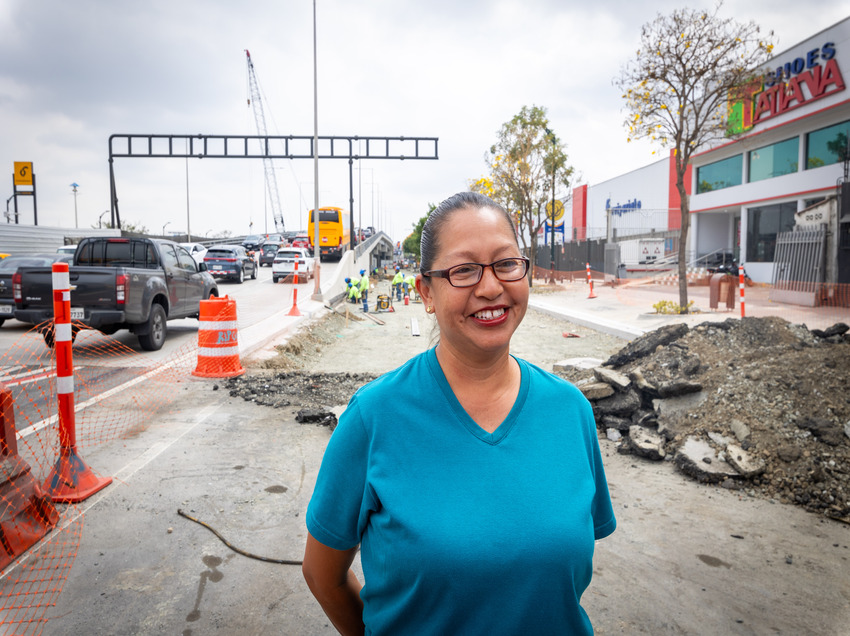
(489, 466)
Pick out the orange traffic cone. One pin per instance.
(27, 514)
(218, 345)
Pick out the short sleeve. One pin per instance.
(340, 504)
(604, 522)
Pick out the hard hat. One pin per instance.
(362, 271)
(347, 280)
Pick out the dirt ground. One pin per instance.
(687, 558)
(786, 384)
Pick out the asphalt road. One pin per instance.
(106, 362)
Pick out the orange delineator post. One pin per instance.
(741, 287)
(592, 294)
(294, 311)
(71, 480)
(26, 513)
(588, 274)
(218, 342)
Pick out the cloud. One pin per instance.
(75, 73)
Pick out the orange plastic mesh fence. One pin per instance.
(33, 583)
(117, 393)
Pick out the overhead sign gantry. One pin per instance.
(153, 146)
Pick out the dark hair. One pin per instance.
(429, 243)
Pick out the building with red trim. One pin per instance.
(780, 172)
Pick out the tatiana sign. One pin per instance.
(794, 84)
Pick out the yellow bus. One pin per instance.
(334, 233)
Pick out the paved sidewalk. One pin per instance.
(627, 310)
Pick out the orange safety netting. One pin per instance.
(117, 394)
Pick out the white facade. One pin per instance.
(809, 96)
(722, 217)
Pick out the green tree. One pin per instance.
(411, 243)
(524, 162)
(132, 227)
(677, 87)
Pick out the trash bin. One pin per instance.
(621, 270)
(721, 287)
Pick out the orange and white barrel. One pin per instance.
(218, 342)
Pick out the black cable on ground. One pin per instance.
(234, 548)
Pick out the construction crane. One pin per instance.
(268, 163)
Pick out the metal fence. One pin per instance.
(799, 266)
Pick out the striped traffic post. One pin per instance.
(588, 274)
(294, 311)
(71, 480)
(741, 287)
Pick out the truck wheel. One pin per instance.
(157, 329)
(241, 277)
(275, 279)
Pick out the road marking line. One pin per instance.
(91, 402)
(122, 475)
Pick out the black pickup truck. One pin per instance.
(119, 283)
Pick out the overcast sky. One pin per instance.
(73, 73)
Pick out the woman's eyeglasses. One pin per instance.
(506, 270)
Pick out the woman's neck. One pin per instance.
(495, 367)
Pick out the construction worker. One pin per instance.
(410, 285)
(353, 293)
(398, 279)
(364, 289)
(355, 282)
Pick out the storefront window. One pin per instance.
(827, 145)
(774, 160)
(763, 224)
(720, 174)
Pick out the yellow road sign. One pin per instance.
(23, 173)
(559, 210)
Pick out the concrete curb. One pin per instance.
(611, 327)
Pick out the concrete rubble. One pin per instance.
(653, 398)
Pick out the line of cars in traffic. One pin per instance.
(238, 262)
(10, 264)
(230, 262)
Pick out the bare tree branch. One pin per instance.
(677, 87)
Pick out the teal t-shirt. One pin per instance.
(462, 531)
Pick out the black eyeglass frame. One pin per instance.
(446, 273)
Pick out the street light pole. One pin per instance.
(100, 219)
(317, 289)
(163, 227)
(553, 216)
(74, 187)
(551, 135)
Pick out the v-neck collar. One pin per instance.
(463, 417)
